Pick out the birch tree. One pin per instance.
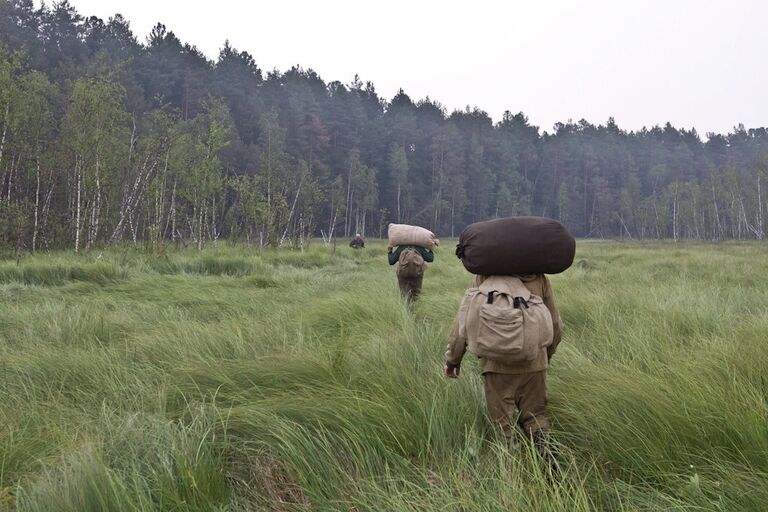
(97, 138)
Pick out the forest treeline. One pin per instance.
(105, 139)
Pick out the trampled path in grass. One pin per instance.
(240, 379)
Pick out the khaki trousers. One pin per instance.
(526, 392)
(410, 287)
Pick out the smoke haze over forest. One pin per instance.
(690, 63)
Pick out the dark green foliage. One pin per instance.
(105, 139)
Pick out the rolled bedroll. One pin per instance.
(516, 246)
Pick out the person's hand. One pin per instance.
(452, 372)
(390, 248)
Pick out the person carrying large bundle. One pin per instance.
(358, 242)
(411, 247)
(509, 319)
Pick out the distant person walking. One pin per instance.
(412, 260)
(358, 242)
(512, 324)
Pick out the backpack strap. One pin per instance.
(519, 301)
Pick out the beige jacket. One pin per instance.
(537, 284)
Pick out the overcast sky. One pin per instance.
(695, 63)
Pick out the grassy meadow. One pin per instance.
(239, 379)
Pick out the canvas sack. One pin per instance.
(505, 322)
(405, 234)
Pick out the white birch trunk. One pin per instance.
(10, 178)
(760, 232)
(399, 218)
(47, 205)
(78, 207)
(718, 226)
(290, 215)
(348, 210)
(674, 217)
(5, 131)
(37, 205)
(172, 212)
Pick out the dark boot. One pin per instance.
(545, 450)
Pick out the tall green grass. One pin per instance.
(239, 379)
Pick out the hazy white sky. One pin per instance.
(700, 63)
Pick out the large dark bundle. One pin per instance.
(516, 246)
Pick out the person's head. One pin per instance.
(358, 235)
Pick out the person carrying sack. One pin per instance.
(512, 324)
(412, 261)
(358, 242)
